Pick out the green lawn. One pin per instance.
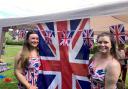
(11, 52)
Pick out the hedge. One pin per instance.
(13, 42)
(94, 50)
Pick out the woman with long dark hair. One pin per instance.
(104, 68)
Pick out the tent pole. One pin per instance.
(0, 41)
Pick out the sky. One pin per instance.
(26, 8)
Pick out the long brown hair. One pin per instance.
(24, 56)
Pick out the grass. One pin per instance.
(11, 52)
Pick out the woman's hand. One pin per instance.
(33, 87)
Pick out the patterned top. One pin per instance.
(31, 72)
(97, 77)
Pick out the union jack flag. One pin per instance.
(21, 34)
(48, 36)
(62, 66)
(88, 37)
(66, 37)
(119, 33)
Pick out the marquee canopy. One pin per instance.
(16, 12)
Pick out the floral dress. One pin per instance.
(97, 77)
(31, 72)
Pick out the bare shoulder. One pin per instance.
(114, 67)
(114, 64)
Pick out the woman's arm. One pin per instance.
(18, 73)
(112, 74)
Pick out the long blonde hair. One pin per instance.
(24, 56)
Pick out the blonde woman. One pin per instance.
(27, 62)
